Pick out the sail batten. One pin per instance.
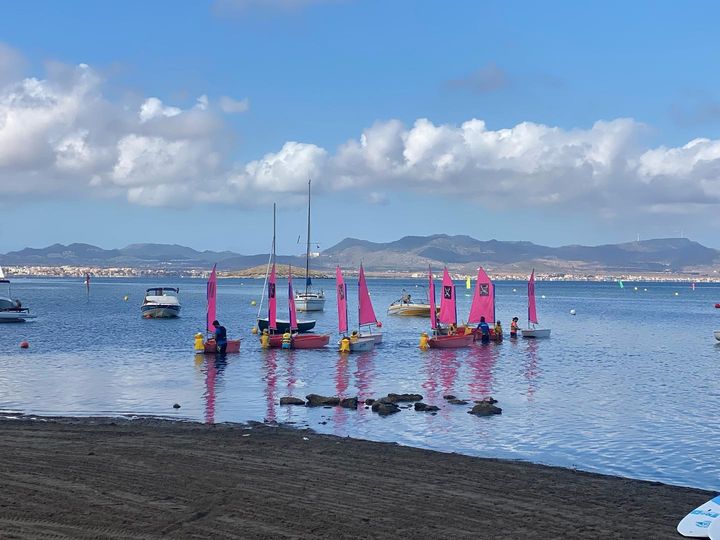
(291, 304)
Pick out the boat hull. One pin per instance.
(717, 334)
(15, 316)
(284, 326)
(309, 302)
(377, 337)
(233, 346)
(160, 311)
(301, 341)
(362, 344)
(535, 333)
(410, 310)
(450, 342)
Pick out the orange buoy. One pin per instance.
(378, 324)
(24, 345)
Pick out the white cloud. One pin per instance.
(230, 106)
(62, 135)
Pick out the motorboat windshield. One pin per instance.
(162, 291)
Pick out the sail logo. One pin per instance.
(484, 289)
(447, 292)
(341, 292)
(271, 290)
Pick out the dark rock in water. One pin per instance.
(383, 409)
(289, 400)
(489, 400)
(424, 407)
(485, 409)
(449, 396)
(457, 401)
(405, 397)
(176, 406)
(385, 400)
(349, 403)
(316, 400)
(369, 401)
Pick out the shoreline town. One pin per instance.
(144, 478)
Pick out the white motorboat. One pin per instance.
(11, 309)
(310, 301)
(161, 303)
(717, 334)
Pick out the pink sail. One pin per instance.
(341, 302)
(532, 310)
(448, 311)
(483, 302)
(431, 295)
(291, 303)
(272, 301)
(366, 313)
(212, 299)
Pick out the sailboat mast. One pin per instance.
(267, 270)
(307, 250)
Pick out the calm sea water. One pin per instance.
(628, 386)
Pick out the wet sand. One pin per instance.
(108, 478)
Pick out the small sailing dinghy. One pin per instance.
(358, 343)
(233, 345)
(297, 341)
(533, 332)
(448, 315)
(366, 313)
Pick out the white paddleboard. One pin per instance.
(714, 530)
(698, 522)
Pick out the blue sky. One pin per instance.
(181, 122)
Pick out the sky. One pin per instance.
(556, 122)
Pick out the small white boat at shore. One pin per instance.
(161, 303)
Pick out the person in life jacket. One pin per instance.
(286, 340)
(220, 338)
(514, 327)
(498, 331)
(354, 336)
(452, 330)
(265, 339)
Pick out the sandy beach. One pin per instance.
(110, 478)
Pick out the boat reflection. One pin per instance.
(482, 360)
(364, 374)
(531, 368)
(270, 363)
(342, 382)
(213, 366)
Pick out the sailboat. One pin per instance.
(366, 313)
(357, 343)
(309, 300)
(448, 315)
(298, 341)
(483, 302)
(281, 326)
(233, 345)
(533, 332)
(11, 309)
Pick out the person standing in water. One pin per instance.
(498, 331)
(514, 327)
(484, 331)
(220, 338)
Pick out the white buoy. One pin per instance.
(572, 312)
(514, 290)
(543, 296)
(677, 294)
(636, 288)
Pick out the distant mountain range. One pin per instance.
(411, 253)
